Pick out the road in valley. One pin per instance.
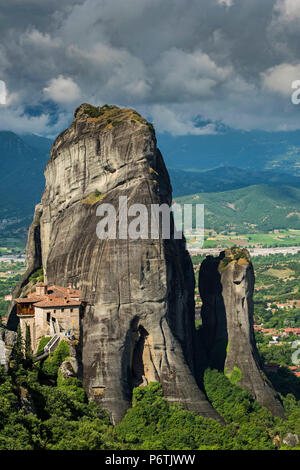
(196, 251)
(14, 258)
(253, 251)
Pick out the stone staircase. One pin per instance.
(50, 347)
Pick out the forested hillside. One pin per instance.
(42, 410)
(258, 208)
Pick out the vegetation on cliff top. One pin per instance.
(112, 116)
(234, 254)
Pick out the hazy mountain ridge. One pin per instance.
(22, 162)
(253, 150)
(23, 159)
(225, 179)
(253, 208)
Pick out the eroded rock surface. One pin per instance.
(291, 440)
(226, 285)
(138, 324)
(33, 262)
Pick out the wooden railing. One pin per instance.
(50, 347)
(23, 310)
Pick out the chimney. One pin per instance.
(41, 288)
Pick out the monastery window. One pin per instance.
(71, 310)
(48, 317)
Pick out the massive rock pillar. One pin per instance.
(138, 324)
(226, 285)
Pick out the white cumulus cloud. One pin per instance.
(229, 61)
(188, 75)
(226, 3)
(2, 92)
(62, 90)
(289, 10)
(279, 78)
(41, 40)
(168, 120)
(14, 119)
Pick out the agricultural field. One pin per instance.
(12, 246)
(10, 273)
(277, 290)
(272, 239)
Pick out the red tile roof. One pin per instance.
(57, 296)
(30, 299)
(57, 302)
(59, 291)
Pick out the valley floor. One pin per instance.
(259, 251)
(282, 239)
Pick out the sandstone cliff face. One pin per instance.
(33, 261)
(138, 324)
(226, 285)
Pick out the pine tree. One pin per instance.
(28, 351)
(18, 349)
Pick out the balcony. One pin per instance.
(25, 309)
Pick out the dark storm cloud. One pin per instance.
(224, 60)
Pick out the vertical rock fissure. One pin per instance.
(226, 286)
(137, 367)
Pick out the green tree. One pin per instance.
(50, 366)
(28, 351)
(18, 350)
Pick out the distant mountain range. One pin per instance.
(22, 164)
(258, 208)
(248, 181)
(225, 179)
(255, 150)
(240, 168)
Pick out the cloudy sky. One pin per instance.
(187, 65)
